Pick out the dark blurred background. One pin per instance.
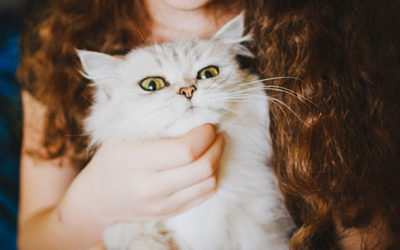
(11, 12)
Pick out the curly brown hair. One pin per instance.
(340, 162)
(336, 155)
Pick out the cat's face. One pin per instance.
(164, 90)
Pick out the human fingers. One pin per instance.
(193, 203)
(175, 179)
(174, 152)
(184, 199)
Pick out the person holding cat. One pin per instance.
(336, 159)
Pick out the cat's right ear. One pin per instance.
(96, 65)
(233, 31)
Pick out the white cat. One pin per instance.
(167, 89)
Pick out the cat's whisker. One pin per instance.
(280, 107)
(278, 88)
(268, 79)
(283, 90)
(90, 101)
(140, 34)
(301, 98)
(280, 103)
(245, 84)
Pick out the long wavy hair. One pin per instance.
(336, 137)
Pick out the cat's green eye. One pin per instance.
(208, 72)
(152, 83)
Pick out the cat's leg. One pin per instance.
(201, 228)
(136, 236)
(259, 220)
(227, 229)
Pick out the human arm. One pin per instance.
(61, 208)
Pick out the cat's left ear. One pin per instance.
(96, 65)
(233, 33)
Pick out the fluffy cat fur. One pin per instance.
(247, 211)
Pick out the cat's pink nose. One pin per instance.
(188, 92)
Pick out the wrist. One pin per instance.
(79, 207)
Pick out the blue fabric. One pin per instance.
(10, 133)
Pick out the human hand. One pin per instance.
(154, 179)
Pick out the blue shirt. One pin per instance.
(10, 132)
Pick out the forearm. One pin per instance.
(68, 224)
(48, 230)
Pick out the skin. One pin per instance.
(167, 16)
(185, 5)
(63, 208)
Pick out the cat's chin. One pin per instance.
(192, 118)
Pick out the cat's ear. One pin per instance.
(232, 31)
(97, 65)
